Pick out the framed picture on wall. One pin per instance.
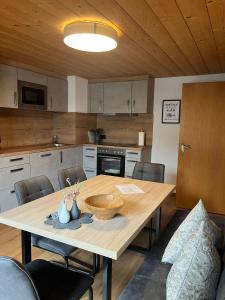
(171, 111)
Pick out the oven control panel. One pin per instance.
(111, 151)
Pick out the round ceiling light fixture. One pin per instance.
(90, 36)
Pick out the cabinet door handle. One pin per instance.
(16, 159)
(128, 105)
(90, 149)
(12, 192)
(135, 153)
(89, 171)
(133, 106)
(45, 155)
(15, 98)
(133, 161)
(16, 170)
(61, 157)
(89, 156)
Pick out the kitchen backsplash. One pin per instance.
(73, 127)
(30, 127)
(22, 127)
(124, 128)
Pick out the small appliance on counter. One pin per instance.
(95, 136)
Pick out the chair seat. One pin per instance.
(54, 282)
(52, 246)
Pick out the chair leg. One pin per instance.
(90, 296)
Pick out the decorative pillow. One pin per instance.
(189, 226)
(195, 273)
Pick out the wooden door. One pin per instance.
(139, 96)
(8, 87)
(201, 167)
(117, 97)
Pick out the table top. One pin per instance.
(108, 238)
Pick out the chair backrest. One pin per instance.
(33, 188)
(15, 281)
(75, 174)
(149, 171)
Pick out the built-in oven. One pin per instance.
(32, 95)
(111, 161)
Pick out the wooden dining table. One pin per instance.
(108, 238)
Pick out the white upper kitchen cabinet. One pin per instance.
(33, 77)
(95, 97)
(117, 97)
(140, 96)
(57, 94)
(77, 94)
(8, 87)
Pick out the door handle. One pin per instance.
(128, 105)
(184, 147)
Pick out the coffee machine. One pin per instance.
(96, 136)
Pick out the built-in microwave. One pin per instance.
(32, 95)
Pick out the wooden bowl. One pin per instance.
(105, 206)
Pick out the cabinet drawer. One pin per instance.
(90, 161)
(133, 154)
(14, 160)
(8, 176)
(89, 150)
(7, 199)
(90, 172)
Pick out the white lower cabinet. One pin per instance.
(70, 157)
(8, 176)
(7, 199)
(90, 172)
(20, 167)
(130, 161)
(90, 161)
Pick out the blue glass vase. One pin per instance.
(75, 212)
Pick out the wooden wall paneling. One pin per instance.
(216, 10)
(22, 127)
(73, 127)
(156, 37)
(44, 34)
(196, 16)
(127, 48)
(147, 20)
(89, 12)
(60, 12)
(118, 16)
(172, 19)
(124, 128)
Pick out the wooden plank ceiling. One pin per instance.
(160, 38)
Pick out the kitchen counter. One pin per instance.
(32, 149)
(124, 146)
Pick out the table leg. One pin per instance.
(158, 223)
(26, 246)
(107, 278)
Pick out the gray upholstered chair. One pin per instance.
(149, 171)
(31, 189)
(41, 280)
(75, 174)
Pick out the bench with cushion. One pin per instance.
(149, 282)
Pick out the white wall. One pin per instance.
(166, 136)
